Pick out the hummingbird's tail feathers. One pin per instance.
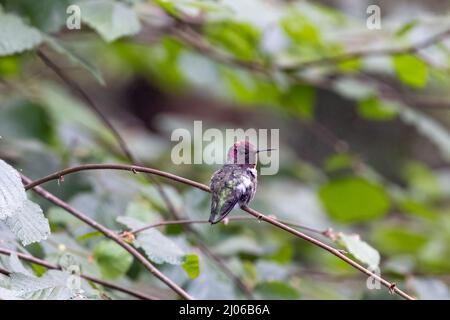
(224, 211)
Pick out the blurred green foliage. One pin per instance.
(43, 128)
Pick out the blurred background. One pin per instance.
(364, 137)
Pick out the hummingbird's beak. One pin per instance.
(265, 150)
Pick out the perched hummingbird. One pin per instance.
(235, 183)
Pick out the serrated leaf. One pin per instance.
(157, 246)
(113, 260)
(361, 250)
(192, 266)
(112, 20)
(15, 35)
(51, 286)
(29, 224)
(22, 216)
(75, 58)
(12, 192)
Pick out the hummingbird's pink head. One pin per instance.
(243, 153)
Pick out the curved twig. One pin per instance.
(102, 282)
(338, 253)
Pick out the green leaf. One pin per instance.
(406, 28)
(377, 109)
(283, 255)
(22, 216)
(354, 199)
(413, 206)
(422, 181)
(239, 38)
(12, 192)
(275, 290)
(113, 260)
(46, 15)
(51, 286)
(430, 288)
(353, 89)
(239, 244)
(411, 70)
(360, 250)
(338, 161)
(9, 66)
(6, 294)
(16, 36)
(301, 30)
(395, 240)
(350, 65)
(75, 58)
(90, 235)
(299, 100)
(157, 247)
(192, 266)
(112, 20)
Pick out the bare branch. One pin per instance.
(338, 253)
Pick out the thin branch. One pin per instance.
(338, 253)
(110, 234)
(52, 266)
(414, 48)
(124, 167)
(326, 233)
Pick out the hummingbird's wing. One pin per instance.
(225, 194)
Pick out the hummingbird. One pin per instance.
(235, 183)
